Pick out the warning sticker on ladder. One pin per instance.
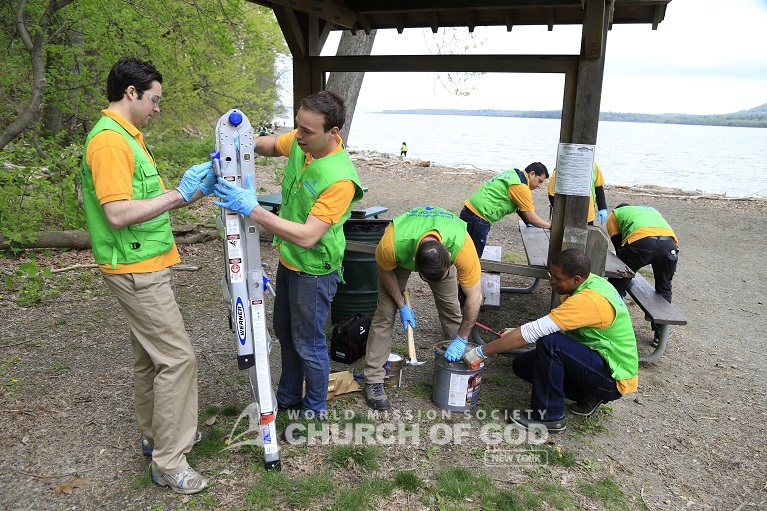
(235, 246)
(235, 270)
(232, 224)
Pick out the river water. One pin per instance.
(706, 159)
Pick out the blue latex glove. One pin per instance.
(190, 181)
(234, 198)
(454, 352)
(210, 182)
(602, 216)
(407, 317)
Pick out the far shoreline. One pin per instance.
(369, 155)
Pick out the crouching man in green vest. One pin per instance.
(434, 243)
(126, 208)
(585, 351)
(319, 187)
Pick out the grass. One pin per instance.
(364, 457)
(514, 258)
(357, 477)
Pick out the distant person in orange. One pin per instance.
(403, 149)
(597, 195)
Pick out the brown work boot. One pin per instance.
(375, 396)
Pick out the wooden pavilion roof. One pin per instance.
(366, 15)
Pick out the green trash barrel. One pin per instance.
(359, 293)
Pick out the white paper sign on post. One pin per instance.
(575, 164)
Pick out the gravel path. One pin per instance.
(690, 438)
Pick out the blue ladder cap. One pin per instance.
(235, 118)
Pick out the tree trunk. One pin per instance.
(184, 235)
(34, 46)
(348, 85)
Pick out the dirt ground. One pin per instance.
(692, 437)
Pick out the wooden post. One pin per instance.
(580, 118)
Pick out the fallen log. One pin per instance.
(184, 234)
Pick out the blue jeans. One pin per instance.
(300, 311)
(560, 367)
(477, 227)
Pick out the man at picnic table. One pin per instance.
(585, 348)
(503, 194)
(433, 242)
(641, 236)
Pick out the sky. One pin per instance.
(706, 57)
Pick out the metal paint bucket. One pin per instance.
(393, 366)
(456, 386)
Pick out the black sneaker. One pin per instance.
(587, 408)
(655, 339)
(291, 406)
(518, 418)
(375, 396)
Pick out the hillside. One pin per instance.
(752, 118)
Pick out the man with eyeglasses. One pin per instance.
(434, 243)
(585, 348)
(501, 195)
(126, 208)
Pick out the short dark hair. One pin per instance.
(329, 104)
(622, 204)
(537, 167)
(572, 262)
(432, 260)
(130, 71)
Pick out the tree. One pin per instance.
(216, 54)
(43, 28)
(348, 85)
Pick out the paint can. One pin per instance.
(393, 366)
(456, 385)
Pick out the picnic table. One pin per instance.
(273, 203)
(536, 242)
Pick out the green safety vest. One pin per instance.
(491, 200)
(631, 218)
(616, 343)
(132, 243)
(410, 227)
(327, 254)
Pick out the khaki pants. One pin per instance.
(387, 316)
(165, 367)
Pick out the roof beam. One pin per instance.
(509, 15)
(323, 9)
(593, 27)
(447, 63)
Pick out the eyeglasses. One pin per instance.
(554, 280)
(154, 99)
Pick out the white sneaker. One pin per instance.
(186, 482)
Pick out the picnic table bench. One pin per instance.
(658, 311)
